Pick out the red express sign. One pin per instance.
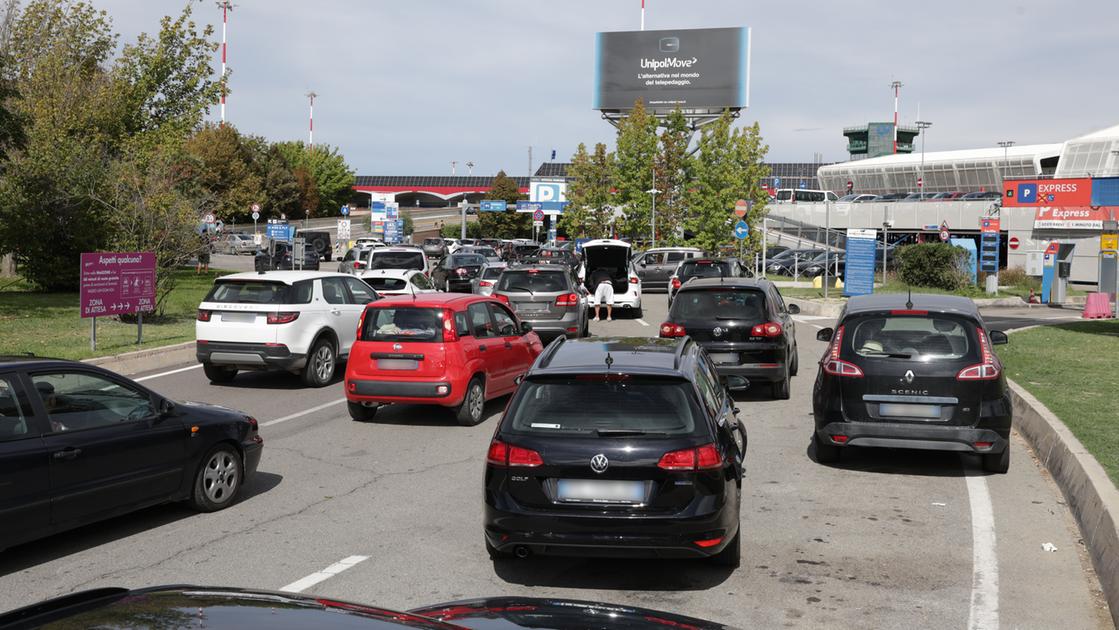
(1047, 192)
(117, 282)
(1071, 218)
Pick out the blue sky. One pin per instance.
(407, 86)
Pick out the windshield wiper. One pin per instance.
(891, 355)
(522, 289)
(624, 432)
(724, 319)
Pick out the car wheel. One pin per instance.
(794, 366)
(781, 388)
(731, 555)
(495, 554)
(219, 374)
(218, 481)
(826, 453)
(320, 364)
(997, 462)
(362, 413)
(637, 313)
(586, 332)
(473, 404)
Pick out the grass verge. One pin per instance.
(49, 325)
(1070, 368)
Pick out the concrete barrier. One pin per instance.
(1092, 497)
(147, 360)
(822, 308)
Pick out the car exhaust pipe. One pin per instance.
(521, 552)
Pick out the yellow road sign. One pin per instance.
(1109, 242)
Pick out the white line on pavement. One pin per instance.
(303, 413)
(984, 611)
(303, 584)
(168, 373)
(641, 321)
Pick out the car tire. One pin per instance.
(362, 413)
(998, 463)
(218, 480)
(219, 374)
(731, 555)
(826, 453)
(780, 389)
(637, 313)
(794, 365)
(321, 363)
(470, 412)
(495, 554)
(586, 331)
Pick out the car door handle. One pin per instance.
(508, 344)
(482, 348)
(69, 453)
(335, 311)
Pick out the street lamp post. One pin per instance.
(922, 125)
(654, 192)
(1005, 144)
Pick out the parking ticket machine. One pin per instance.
(1056, 269)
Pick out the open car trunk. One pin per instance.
(612, 258)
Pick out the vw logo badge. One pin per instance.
(718, 332)
(599, 463)
(397, 346)
(909, 376)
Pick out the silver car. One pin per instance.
(236, 244)
(487, 278)
(548, 296)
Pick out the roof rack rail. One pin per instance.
(550, 351)
(679, 355)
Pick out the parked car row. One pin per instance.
(977, 195)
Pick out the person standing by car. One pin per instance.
(603, 292)
(203, 253)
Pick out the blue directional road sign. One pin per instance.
(491, 205)
(858, 270)
(345, 210)
(741, 230)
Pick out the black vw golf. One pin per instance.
(618, 447)
(912, 372)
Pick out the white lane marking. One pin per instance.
(641, 321)
(806, 318)
(168, 373)
(303, 413)
(303, 584)
(983, 613)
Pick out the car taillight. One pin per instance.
(485, 283)
(670, 330)
(835, 366)
(450, 332)
(359, 265)
(501, 297)
(567, 299)
(283, 317)
(704, 457)
(988, 370)
(768, 329)
(204, 315)
(361, 324)
(634, 280)
(676, 283)
(502, 454)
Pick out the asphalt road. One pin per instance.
(390, 513)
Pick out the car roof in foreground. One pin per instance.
(918, 301)
(34, 362)
(430, 300)
(634, 355)
(280, 276)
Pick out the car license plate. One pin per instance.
(601, 491)
(238, 318)
(397, 364)
(725, 358)
(901, 410)
(531, 307)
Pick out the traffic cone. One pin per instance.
(1097, 307)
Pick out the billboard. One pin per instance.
(1072, 218)
(117, 282)
(1047, 192)
(858, 269)
(689, 68)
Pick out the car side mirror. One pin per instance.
(518, 379)
(641, 264)
(824, 334)
(999, 338)
(737, 383)
(166, 407)
(526, 327)
(793, 309)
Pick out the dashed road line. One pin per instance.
(641, 321)
(168, 373)
(983, 614)
(303, 584)
(303, 413)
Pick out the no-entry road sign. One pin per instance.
(1013, 242)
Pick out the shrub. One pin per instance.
(935, 265)
(1016, 277)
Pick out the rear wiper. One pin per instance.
(723, 319)
(522, 289)
(891, 355)
(624, 432)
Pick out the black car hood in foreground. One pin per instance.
(169, 607)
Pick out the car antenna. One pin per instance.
(909, 299)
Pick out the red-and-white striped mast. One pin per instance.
(897, 90)
(311, 122)
(226, 6)
(642, 14)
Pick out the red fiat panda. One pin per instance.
(451, 349)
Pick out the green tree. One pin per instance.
(673, 168)
(635, 153)
(308, 192)
(729, 166)
(508, 224)
(334, 179)
(281, 191)
(222, 164)
(589, 212)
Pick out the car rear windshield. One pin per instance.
(260, 292)
(705, 270)
(403, 324)
(467, 260)
(488, 252)
(592, 406)
(433, 241)
(492, 272)
(929, 337)
(532, 282)
(396, 260)
(386, 284)
(736, 304)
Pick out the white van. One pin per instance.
(803, 195)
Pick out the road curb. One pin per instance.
(817, 307)
(147, 359)
(1092, 497)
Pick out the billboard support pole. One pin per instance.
(139, 327)
(93, 333)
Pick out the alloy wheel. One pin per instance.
(220, 478)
